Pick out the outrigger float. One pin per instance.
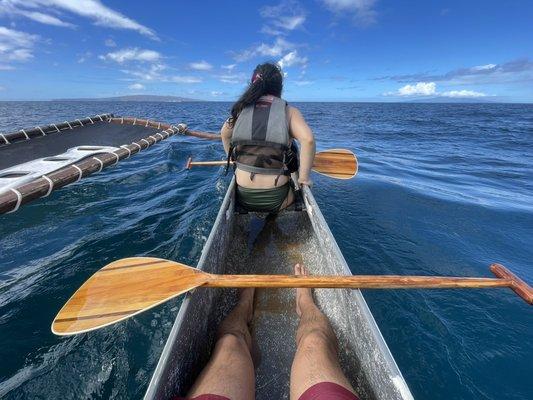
(36, 161)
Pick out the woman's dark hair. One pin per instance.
(266, 79)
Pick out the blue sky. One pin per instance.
(347, 50)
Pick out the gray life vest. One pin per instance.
(260, 143)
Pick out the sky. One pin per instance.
(329, 50)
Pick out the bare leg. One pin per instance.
(316, 358)
(230, 371)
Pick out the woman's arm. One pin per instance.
(226, 132)
(301, 132)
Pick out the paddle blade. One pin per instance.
(122, 289)
(336, 163)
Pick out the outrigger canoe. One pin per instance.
(247, 243)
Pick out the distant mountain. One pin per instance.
(137, 97)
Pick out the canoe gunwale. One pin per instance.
(319, 222)
(223, 214)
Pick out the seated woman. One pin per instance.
(258, 137)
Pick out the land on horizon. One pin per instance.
(134, 97)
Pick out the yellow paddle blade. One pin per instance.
(336, 163)
(122, 289)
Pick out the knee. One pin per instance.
(316, 340)
(232, 343)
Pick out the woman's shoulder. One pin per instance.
(293, 111)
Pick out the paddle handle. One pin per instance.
(520, 287)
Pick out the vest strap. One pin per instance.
(261, 171)
(259, 143)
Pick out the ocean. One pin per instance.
(442, 189)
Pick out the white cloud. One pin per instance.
(514, 71)
(201, 66)
(216, 93)
(232, 78)
(136, 86)
(418, 89)
(91, 9)
(362, 10)
(229, 67)
(184, 79)
(157, 72)
(265, 50)
(110, 43)
(15, 46)
(282, 18)
(484, 67)
(303, 83)
(153, 72)
(46, 19)
(132, 54)
(84, 57)
(430, 89)
(291, 59)
(463, 94)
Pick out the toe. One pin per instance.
(297, 269)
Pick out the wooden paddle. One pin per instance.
(335, 163)
(132, 285)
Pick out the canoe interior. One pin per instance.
(249, 244)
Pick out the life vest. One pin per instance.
(261, 143)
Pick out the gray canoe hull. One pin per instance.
(247, 244)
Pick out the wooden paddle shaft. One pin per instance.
(505, 279)
(353, 282)
(207, 163)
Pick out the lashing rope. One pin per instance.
(50, 185)
(116, 156)
(19, 200)
(125, 147)
(101, 164)
(80, 172)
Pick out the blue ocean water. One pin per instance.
(443, 189)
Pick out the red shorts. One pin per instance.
(320, 391)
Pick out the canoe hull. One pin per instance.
(247, 244)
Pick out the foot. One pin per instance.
(246, 303)
(304, 296)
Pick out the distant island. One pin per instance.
(136, 97)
